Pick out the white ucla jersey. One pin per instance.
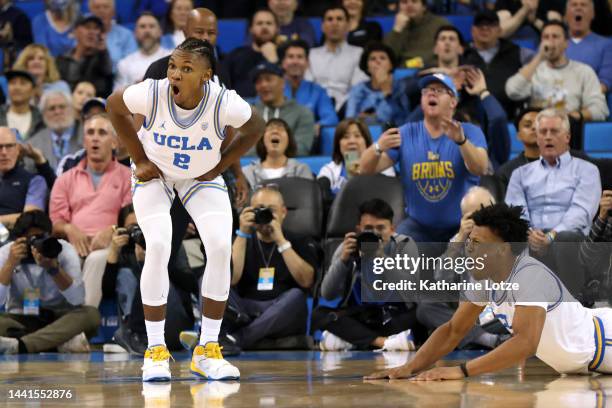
(184, 144)
(567, 342)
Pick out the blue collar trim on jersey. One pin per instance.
(148, 124)
(217, 122)
(198, 111)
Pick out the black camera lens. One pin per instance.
(47, 246)
(367, 237)
(136, 236)
(263, 216)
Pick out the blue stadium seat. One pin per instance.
(31, 8)
(598, 139)
(530, 44)
(516, 146)
(316, 24)
(463, 24)
(404, 72)
(327, 140)
(234, 34)
(315, 162)
(245, 161)
(3, 83)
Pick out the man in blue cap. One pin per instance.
(272, 103)
(439, 159)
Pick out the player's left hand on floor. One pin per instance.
(440, 373)
(392, 373)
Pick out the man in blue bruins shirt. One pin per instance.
(439, 160)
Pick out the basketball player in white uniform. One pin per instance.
(179, 147)
(541, 314)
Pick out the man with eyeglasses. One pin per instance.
(439, 160)
(560, 194)
(20, 190)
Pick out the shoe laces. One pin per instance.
(158, 354)
(212, 350)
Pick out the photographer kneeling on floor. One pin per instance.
(41, 287)
(356, 324)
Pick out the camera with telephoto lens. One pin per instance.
(47, 246)
(263, 215)
(366, 240)
(135, 236)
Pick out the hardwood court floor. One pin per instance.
(290, 379)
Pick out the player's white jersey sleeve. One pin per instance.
(136, 97)
(235, 111)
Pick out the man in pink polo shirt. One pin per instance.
(85, 201)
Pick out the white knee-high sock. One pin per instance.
(210, 330)
(155, 333)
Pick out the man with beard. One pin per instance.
(263, 29)
(551, 79)
(60, 135)
(132, 68)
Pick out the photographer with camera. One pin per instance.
(356, 324)
(272, 269)
(121, 280)
(40, 284)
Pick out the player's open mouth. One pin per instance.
(578, 18)
(175, 90)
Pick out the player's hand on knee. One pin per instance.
(146, 171)
(247, 220)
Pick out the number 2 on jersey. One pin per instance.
(181, 160)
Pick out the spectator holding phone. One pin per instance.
(351, 139)
(276, 150)
(440, 158)
(272, 269)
